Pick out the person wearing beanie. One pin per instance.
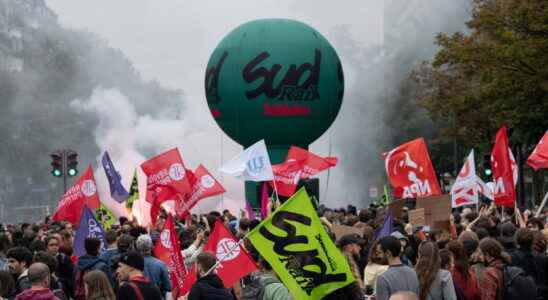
(155, 269)
(133, 284)
(507, 237)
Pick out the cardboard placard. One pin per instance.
(437, 210)
(396, 208)
(417, 217)
(341, 230)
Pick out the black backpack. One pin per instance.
(518, 286)
(255, 289)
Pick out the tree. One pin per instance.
(495, 74)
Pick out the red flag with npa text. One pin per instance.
(539, 157)
(503, 176)
(410, 171)
(166, 175)
(83, 192)
(204, 185)
(167, 249)
(299, 164)
(235, 261)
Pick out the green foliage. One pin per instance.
(494, 74)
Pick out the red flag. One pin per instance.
(203, 186)
(166, 170)
(539, 157)
(299, 164)
(236, 262)
(167, 249)
(503, 176)
(84, 191)
(410, 170)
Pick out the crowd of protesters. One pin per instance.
(476, 257)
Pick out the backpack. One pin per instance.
(255, 289)
(518, 286)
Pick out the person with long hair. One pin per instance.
(463, 274)
(97, 286)
(434, 282)
(7, 285)
(492, 284)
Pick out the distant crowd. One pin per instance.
(483, 255)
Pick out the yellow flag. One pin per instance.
(133, 193)
(295, 244)
(105, 217)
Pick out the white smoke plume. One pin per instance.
(131, 138)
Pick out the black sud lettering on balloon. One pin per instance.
(340, 76)
(289, 88)
(212, 81)
(296, 261)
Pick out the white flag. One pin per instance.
(252, 164)
(465, 189)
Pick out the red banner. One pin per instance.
(410, 170)
(539, 157)
(235, 261)
(299, 164)
(166, 170)
(167, 249)
(503, 176)
(204, 185)
(84, 191)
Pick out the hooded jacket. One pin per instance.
(43, 294)
(209, 287)
(92, 263)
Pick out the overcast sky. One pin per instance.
(171, 41)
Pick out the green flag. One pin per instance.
(133, 193)
(385, 197)
(105, 217)
(295, 244)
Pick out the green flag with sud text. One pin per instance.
(295, 244)
(133, 193)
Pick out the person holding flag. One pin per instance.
(303, 256)
(134, 285)
(209, 286)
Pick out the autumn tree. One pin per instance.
(494, 74)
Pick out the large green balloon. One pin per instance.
(275, 79)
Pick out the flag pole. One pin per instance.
(539, 210)
(276, 190)
(219, 261)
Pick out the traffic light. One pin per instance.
(72, 163)
(57, 164)
(487, 165)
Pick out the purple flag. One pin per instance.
(264, 200)
(387, 227)
(117, 190)
(89, 227)
(249, 210)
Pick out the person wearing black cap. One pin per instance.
(507, 237)
(133, 284)
(351, 246)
